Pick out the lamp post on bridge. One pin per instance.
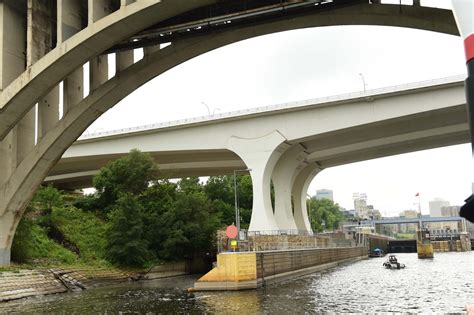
(236, 203)
(363, 82)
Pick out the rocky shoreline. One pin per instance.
(20, 284)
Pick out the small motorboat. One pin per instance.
(377, 253)
(392, 263)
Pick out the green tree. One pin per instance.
(324, 214)
(126, 244)
(190, 185)
(221, 190)
(131, 174)
(47, 197)
(190, 226)
(158, 201)
(22, 246)
(44, 200)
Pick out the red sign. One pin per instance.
(231, 231)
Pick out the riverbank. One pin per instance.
(348, 288)
(22, 283)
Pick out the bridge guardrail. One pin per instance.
(261, 109)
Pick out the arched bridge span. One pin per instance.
(44, 43)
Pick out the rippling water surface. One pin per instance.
(444, 284)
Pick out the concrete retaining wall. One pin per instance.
(272, 263)
(247, 270)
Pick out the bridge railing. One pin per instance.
(271, 240)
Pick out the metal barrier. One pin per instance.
(282, 240)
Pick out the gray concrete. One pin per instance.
(5, 256)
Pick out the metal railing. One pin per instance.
(274, 240)
(368, 94)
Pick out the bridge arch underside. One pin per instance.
(26, 171)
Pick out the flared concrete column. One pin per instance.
(8, 223)
(284, 174)
(299, 192)
(260, 155)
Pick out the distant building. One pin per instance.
(409, 227)
(324, 194)
(436, 205)
(409, 214)
(360, 205)
(349, 215)
(376, 214)
(450, 211)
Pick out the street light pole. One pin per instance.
(363, 81)
(237, 210)
(208, 110)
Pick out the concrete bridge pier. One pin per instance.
(300, 190)
(260, 155)
(284, 174)
(8, 224)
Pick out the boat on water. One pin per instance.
(392, 263)
(377, 253)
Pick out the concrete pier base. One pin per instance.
(249, 270)
(5, 254)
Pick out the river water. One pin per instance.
(444, 284)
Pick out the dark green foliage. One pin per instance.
(126, 244)
(191, 227)
(87, 203)
(46, 198)
(83, 230)
(131, 174)
(157, 202)
(134, 219)
(31, 243)
(221, 190)
(22, 246)
(190, 185)
(324, 214)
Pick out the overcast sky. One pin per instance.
(304, 64)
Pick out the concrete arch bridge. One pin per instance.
(44, 46)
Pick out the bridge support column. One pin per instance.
(283, 178)
(12, 64)
(72, 18)
(299, 192)
(40, 41)
(99, 66)
(8, 223)
(260, 155)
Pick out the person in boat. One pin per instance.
(392, 259)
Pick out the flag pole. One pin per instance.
(419, 209)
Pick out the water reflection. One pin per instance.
(444, 284)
